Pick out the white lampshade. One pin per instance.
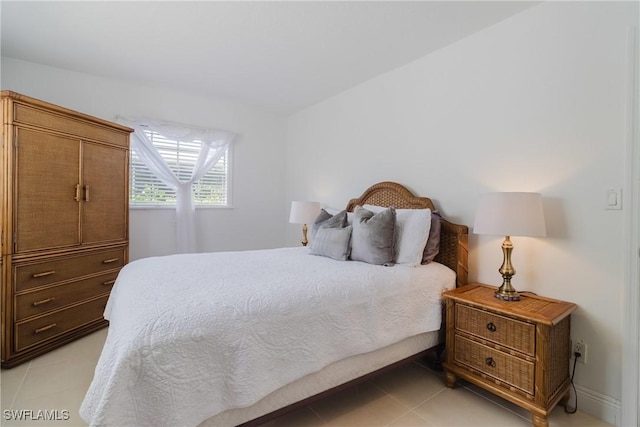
(510, 214)
(303, 212)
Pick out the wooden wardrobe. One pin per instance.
(65, 204)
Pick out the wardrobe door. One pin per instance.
(47, 191)
(105, 173)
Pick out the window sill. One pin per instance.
(173, 208)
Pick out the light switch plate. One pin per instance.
(613, 198)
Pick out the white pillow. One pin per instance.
(412, 232)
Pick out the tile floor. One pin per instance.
(409, 396)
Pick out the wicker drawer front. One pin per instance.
(499, 365)
(31, 275)
(45, 300)
(56, 323)
(84, 130)
(508, 332)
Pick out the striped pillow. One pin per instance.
(334, 243)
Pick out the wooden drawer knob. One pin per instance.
(491, 327)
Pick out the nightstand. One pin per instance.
(518, 350)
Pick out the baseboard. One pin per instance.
(590, 402)
(598, 405)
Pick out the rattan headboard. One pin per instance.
(453, 237)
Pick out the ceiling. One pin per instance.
(277, 56)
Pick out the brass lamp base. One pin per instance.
(507, 292)
(304, 241)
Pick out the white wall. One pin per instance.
(534, 103)
(258, 217)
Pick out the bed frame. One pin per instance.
(453, 253)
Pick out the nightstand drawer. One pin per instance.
(511, 333)
(509, 369)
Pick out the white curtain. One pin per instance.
(214, 144)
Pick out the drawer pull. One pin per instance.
(491, 327)
(109, 282)
(44, 301)
(45, 328)
(46, 273)
(490, 362)
(110, 260)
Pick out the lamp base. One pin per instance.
(506, 292)
(304, 235)
(507, 295)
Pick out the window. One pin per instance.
(148, 190)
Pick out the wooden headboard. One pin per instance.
(453, 237)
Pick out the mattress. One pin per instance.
(192, 336)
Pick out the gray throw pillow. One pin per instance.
(332, 243)
(326, 220)
(373, 238)
(432, 247)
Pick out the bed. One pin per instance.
(232, 338)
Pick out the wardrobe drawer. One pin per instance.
(45, 300)
(502, 330)
(45, 327)
(509, 369)
(53, 270)
(69, 125)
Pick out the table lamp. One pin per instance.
(509, 214)
(304, 213)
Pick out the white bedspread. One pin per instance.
(194, 335)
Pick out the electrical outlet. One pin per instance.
(579, 346)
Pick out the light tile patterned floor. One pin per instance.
(409, 396)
